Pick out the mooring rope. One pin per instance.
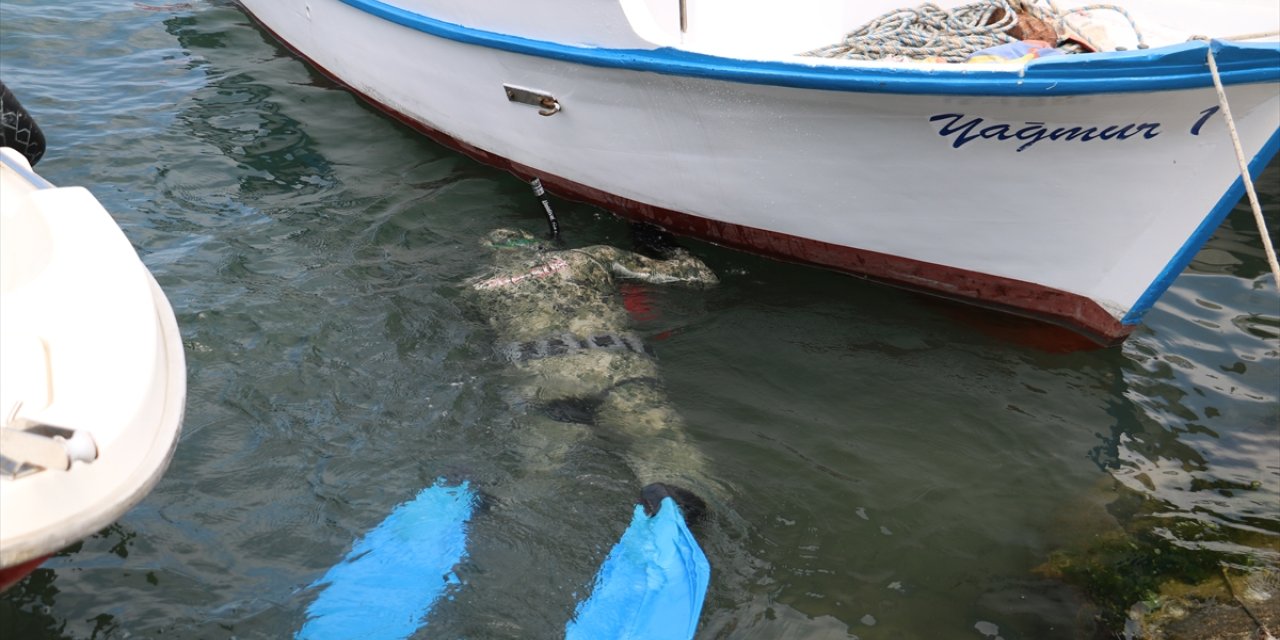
(929, 31)
(1244, 165)
(1263, 632)
(1249, 36)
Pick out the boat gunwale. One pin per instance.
(25, 172)
(1172, 67)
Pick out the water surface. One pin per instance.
(896, 467)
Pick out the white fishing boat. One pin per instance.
(1073, 188)
(94, 378)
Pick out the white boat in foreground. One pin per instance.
(1072, 188)
(93, 385)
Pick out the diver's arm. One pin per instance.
(682, 267)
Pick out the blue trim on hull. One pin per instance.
(1207, 227)
(1180, 66)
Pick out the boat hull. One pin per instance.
(94, 371)
(1077, 208)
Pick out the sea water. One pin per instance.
(895, 467)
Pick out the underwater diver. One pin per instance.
(580, 373)
(560, 322)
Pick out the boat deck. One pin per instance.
(774, 31)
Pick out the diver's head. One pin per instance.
(511, 239)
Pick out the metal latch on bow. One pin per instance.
(546, 103)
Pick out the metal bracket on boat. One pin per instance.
(548, 104)
(33, 446)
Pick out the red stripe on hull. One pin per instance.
(1006, 294)
(10, 576)
(1028, 299)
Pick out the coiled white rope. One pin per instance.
(1244, 165)
(929, 31)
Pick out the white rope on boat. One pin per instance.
(929, 31)
(1244, 165)
(1251, 36)
(1258, 35)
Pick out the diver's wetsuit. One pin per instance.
(590, 386)
(560, 320)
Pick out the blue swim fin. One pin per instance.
(651, 586)
(385, 587)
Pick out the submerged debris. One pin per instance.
(1161, 579)
(1231, 608)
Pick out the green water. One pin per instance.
(895, 467)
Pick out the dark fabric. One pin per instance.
(18, 129)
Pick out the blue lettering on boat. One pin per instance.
(1204, 117)
(962, 130)
(1000, 131)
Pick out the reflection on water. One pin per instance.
(1204, 441)
(1195, 449)
(26, 609)
(897, 468)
